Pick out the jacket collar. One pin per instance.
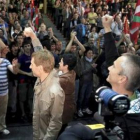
(47, 81)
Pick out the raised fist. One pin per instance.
(106, 21)
(28, 32)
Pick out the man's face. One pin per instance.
(14, 49)
(75, 16)
(115, 70)
(73, 49)
(3, 13)
(93, 29)
(83, 21)
(27, 48)
(20, 39)
(34, 68)
(53, 48)
(91, 41)
(26, 14)
(59, 46)
(43, 27)
(89, 54)
(50, 30)
(123, 49)
(17, 26)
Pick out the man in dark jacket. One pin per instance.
(124, 78)
(67, 82)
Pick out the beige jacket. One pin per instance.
(48, 108)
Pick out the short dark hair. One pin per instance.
(120, 50)
(20, 34)
(74, 44)
(26, 42)
(52, 43)
(70, 60)
(12, 44)
(87, 49)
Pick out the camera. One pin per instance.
(110, 105)
(114, 103)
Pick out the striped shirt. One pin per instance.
(3, 76)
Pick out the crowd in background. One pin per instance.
(80, 23)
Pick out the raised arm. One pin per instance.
(74, 38)
(128, 40)
(73, 34)
(2, 45)
(28, 32)
(111, 53)
(82, 48)
(52, 36)
(120, 41)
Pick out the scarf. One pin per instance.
(88, 59)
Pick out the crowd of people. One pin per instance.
(80, 21)
(67, 76)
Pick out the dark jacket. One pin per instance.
(130, 123)
(111, 53)
(73, 24)
(81, 30)
(67, 82)
(87, 70)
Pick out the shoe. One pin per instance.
(5, 132)
(87, 111)
(80, 113)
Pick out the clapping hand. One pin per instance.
(15, 66)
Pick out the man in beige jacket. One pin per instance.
(49, 96)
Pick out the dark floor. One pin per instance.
(18, 133)
(23, 131)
